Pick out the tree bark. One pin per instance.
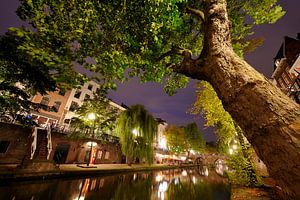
(269, 119)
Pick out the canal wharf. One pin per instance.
(14, 173)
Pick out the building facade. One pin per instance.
(287, 67)
(17, 142)
(64, 105)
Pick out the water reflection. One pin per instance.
(221, 167)
(158, 185)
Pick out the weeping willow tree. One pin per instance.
(137, 129)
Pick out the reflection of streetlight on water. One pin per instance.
(92, 117)
(162, 188)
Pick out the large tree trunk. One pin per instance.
(269, 118)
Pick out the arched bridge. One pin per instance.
(209, 159)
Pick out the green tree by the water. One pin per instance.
(210, 107)
(176, 139)
(231, 140)
(136, 129)
(104, 122)
(20, 77)
(184, 139)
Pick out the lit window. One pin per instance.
(99, 155)
(106, 155)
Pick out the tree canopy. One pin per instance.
(136, 38)
(210, 107)
(184, 139)
(20, 77)
(231, 140)
(137, 129)
(104, 122)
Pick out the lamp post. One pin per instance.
(92, 117)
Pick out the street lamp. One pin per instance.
(92, 117)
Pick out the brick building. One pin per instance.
(287, 67)
(18, 143)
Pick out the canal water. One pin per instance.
(174, 184)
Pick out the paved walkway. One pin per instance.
(75, 170)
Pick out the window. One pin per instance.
(99, 155)
(62, 92)
(90, 87)
(4, 146)
(77, 94)
(285, 79)
(45, 101)
(87, 97)
(67, 121)
(73, 106)
(281, 82)
(56, 105)
(106, 155)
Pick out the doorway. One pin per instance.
(61, 153)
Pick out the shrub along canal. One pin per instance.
(173, 184)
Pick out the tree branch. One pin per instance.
(196, 12)
(186, 53)
(193, 68)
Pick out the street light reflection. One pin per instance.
(162, 188)
(158, 178)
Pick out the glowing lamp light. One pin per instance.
(184, 173)
(135, 132)
(93, 144)
(79, 198)
(162, 143)
(234, 146)
(182, 157)
(91, 116)
(230, 151)
(194, 179)
(206, 172)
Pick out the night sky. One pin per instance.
(174, 109)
